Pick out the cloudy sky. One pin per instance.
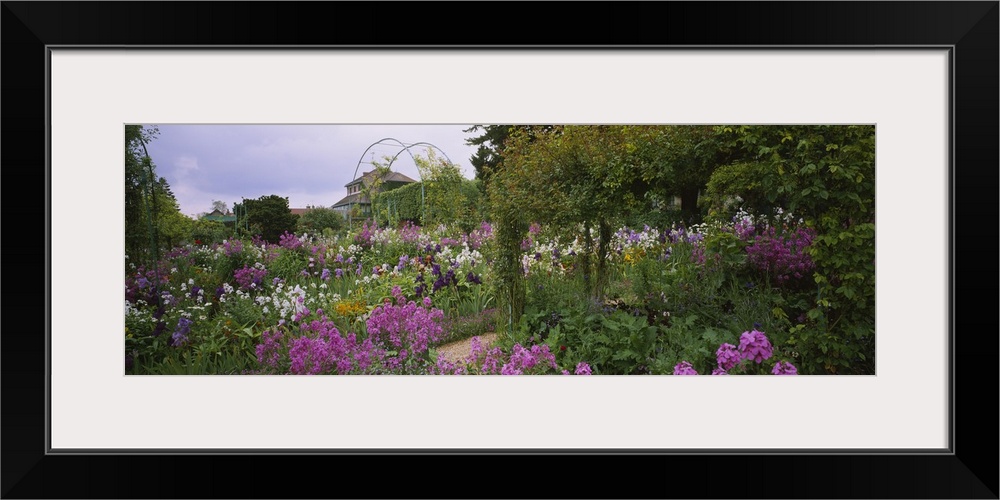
(308, 164)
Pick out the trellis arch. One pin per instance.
(403, 147)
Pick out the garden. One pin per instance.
(568, 259)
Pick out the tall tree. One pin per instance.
(318, 219)
(565, 176)
(677, 160)
(268, 216)
(140, 195)
(489, 155)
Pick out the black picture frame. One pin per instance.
(970, 28)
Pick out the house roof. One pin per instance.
(351, 199)
(299, 211)
(369, 176)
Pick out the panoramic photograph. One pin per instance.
(479, 249)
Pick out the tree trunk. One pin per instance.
(511, 293)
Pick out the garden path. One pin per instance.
(460, 349)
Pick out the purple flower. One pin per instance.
(406, 326)
(582, 369)
(289, 241)
(180, 335)
(684, 368)
(755, 346)
(472, 278)
(339, 273)
(249, 277)
(728, 356)
(719, 371)
(325, 276)
(784, 368)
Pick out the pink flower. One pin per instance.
(684, 368)
(784, 368)
(728, 356)
(754, 345)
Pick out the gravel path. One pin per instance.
(459, 350)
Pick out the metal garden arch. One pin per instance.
(403, 147)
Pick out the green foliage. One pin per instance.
(508, 285)
(490, 153)
(288, 265)
(826, 175)
(208, 231)
(318, 219)
(268, 216)
(138, 173)
(225, 361)
(443, 197)
(618, 343)
(399, 205)
(153, 221)
(738, 185)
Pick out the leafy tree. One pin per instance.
(489, 154)
(572, 175)
(676, 160)
(139, 173)
(153, 220)
(268, 216)
(317, 219)
(174, 228)
(490, 145)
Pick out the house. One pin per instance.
(356, 195)
(218, 216)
